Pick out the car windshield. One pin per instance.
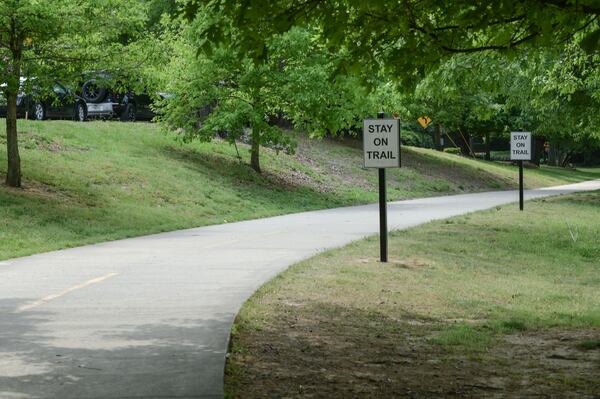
(59, 90)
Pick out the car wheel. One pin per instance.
(91, 92)
(80, 112)
(39, 112)
(128, 114)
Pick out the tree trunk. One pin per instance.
(437, 137)
(588, 157)
(255, 149)
(554, 154)
(466, 149)
(537, 150)
(13, 175)
(488, 152)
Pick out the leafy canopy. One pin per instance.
(242, 97)
(407, 37)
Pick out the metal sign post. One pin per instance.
(521, 185)
(383, 230)
(381, 145)
(520, 150)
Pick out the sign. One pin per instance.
(520, 146)
(424, 121)
(520, 150)
(381, 143)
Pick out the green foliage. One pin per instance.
(405, 38)
(453, 150)
(551, 92)
(241, 97)
(58, 39)
(462, 95)
(416, 139)
(443, 50)
(589, 344)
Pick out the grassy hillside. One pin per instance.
(97, 181)
(489, 304)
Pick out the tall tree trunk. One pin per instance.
(588, 157)
(13, 175)
(554, 154)
(488, 147)
(255, 149)
(537, 150)
(437, 137)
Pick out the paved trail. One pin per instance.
(149, 317)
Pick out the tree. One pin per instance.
(408, 40)
(236, 95)
(47, 39)
(463, 95)
(408, 37)
(563, 99)
(552, 92)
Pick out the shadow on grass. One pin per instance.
(265, 187)
(467, 175)
(569, 175)
(335, 351)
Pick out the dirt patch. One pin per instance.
(339, 166)
(470, 179)
(294, 179)
(402, 263)
(34, 141)
(319, 351)
(555, 358)
(39, 190)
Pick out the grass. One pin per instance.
(508, 301)
(98, 181)
(590, 344)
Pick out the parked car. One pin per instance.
(63, 103)
(106, 102)
(21, 105)
(21, 109)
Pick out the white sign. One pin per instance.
(381, 143)
(520, 146)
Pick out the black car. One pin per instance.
(106, 102)
(21, 109)
(63, 104)
(21, 105)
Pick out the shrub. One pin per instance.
(453, 150)
(416, 139)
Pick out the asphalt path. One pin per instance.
(149, 317)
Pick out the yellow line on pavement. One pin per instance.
(62, 293)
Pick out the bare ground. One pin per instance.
(319, 351)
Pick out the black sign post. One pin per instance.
(521, 185)
(383, 229)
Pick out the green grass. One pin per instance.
(454, 287)
(97, 181)
(590, 344)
